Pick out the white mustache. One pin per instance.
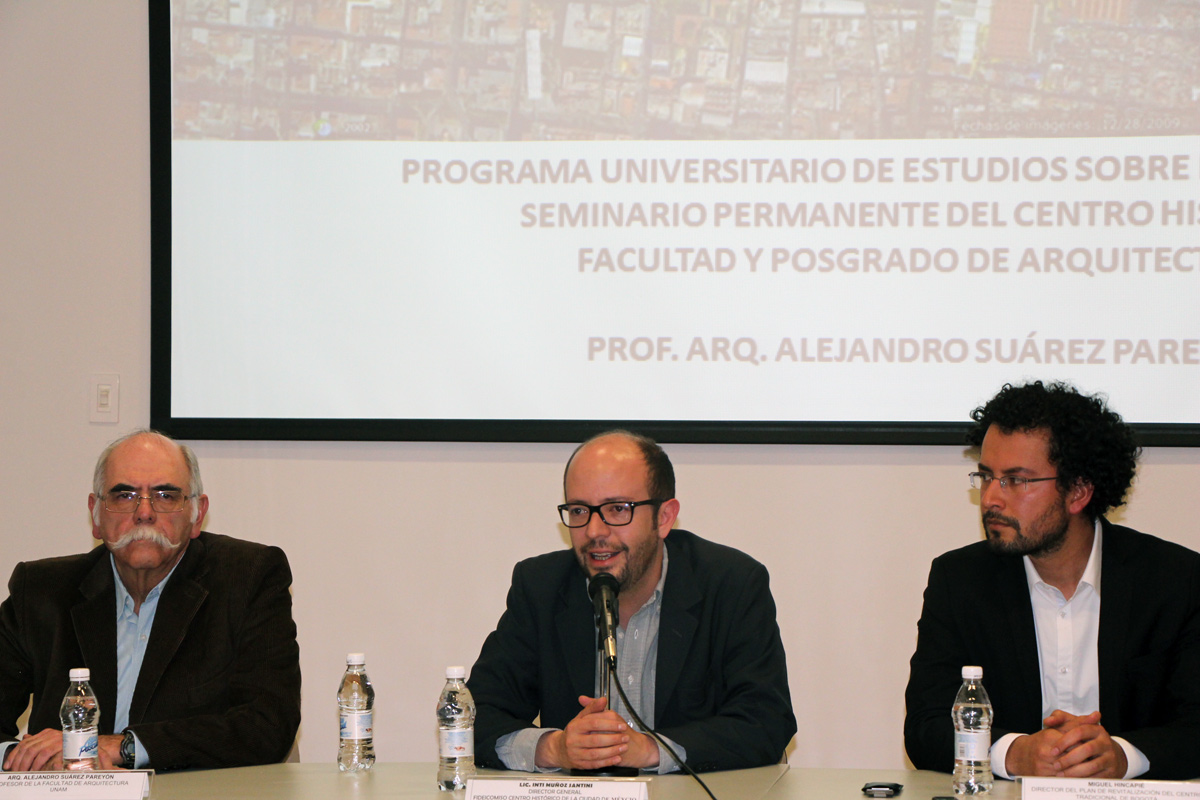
(144, 533)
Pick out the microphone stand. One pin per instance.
(608, 671)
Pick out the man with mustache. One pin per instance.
(1088, 632)
(188, 635)
(699, 652)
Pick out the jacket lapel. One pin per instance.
(95, 621)
(1116, 598)
(1012, 592)
(676, 628)
(180, 601)
(576, 625)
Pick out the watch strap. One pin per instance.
(128, 750)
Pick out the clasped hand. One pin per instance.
(1068, 746)
(594, 739)
(42, 752)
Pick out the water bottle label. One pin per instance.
(356, 725)
(972, 745)
(80, 744)
(457, 743)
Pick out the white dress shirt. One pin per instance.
(1068, 633)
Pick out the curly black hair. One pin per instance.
(1089, 442)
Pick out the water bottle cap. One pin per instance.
(353, 659)
(456, 672)
(81, 674)
(972, 673)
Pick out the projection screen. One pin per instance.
(713, 220)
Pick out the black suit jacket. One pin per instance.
(977, 611)
(220, 682)
(722, 687)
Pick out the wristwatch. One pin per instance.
(128, 751)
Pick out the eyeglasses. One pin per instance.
(164, 501)
(576, 515)
(982, 480)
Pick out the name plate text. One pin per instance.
(558, 789)
(121, 785)
(1089, 789)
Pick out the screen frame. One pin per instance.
(468, 430)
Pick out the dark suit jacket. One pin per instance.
(722, 686)
(220, 683)
(977, 611)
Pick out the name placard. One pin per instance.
(1089, 789)
(559, 788)
(131, 784)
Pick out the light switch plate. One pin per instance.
(104, 397)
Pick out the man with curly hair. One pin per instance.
(1088, 632)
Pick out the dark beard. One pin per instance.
(1053, 537)
(638, 561)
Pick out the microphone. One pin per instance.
(603, 588)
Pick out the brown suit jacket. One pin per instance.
(220, 682)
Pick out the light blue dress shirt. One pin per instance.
(133, 634)
(637, 658)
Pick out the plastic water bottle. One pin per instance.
(972, 716)
(80, 716)
(456, 732)
(356, 707)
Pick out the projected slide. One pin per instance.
(681, 210)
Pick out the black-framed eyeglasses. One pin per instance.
(1018, 483)
(576, 515)
(164, 501)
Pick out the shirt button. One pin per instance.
(142, 638)
(1064, 670)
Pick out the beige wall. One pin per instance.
(404, 550)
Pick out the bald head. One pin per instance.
(195, 486)
(626, 445)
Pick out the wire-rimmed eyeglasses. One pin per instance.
(1018, 483)
(164, 501)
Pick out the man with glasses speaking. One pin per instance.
(698, 648)
(1088, 632)
(188, 635)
